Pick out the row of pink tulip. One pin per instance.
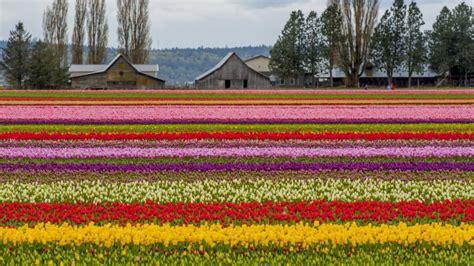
(242, 114)
(136, 152)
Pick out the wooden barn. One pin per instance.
(119, 74)
(232, 73)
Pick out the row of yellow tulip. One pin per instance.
(303, 235)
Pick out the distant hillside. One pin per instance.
(181, 65)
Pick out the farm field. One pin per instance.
(237, 177)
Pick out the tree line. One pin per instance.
(347, 36)
(42, 63)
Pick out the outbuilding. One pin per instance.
(261, 64)
(119, 74)
(232, 73)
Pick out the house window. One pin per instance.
(292, 81)
(227, 84)
(121, 73)
(246, 84)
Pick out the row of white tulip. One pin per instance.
(237, 191)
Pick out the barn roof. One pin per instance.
(221, 64)
(216, 67)
(99, 69)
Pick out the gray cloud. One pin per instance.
(192, 23)
(267, 3)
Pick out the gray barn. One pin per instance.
(232, 73)
(119, 74)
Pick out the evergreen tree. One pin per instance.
(389, 40)
(462, 18)
(313, 54)
(40, 66)
(441, 44)
(288, 53)
(415, 42)
(15, 56)
(331, 30)
(45, 71)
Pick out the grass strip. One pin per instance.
(21, 101)
(267, 95)
(248, 160)
(51, 177)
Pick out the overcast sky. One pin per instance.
(192, 23)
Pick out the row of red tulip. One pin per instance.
(227, 213)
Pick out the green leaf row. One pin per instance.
(154, 255)
(240, 176)
(175, 160)
(338, 128)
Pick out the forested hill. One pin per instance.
(181, 65)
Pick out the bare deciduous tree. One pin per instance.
(55, 28)
(134, 30)
(358, 23)
(97, 30)
(78, 36)
(124, 8)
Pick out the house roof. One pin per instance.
(86, 68)
(256, 57)
(221, 64)
(427, 73)
(89, 70)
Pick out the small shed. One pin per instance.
(119, 74)
(232, 73)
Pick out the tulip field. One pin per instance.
(323, 177)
